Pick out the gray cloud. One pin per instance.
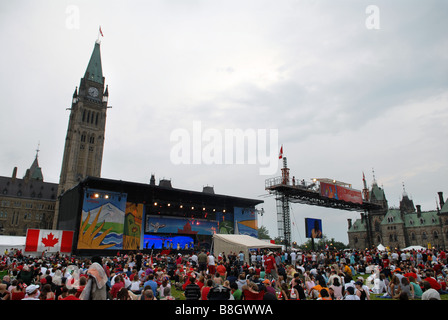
(344, 98)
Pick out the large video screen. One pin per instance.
(163, 224)
(313, 228)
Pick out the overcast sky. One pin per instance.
(347, 88)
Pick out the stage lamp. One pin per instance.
(155, 203)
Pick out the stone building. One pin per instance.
(26, 203)
(400, 227)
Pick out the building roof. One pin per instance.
(35, 172)
(444, 209)
(358, 226)
(426, 218)
(28, 188)
(148, 192)
(31, 186)
(94, 71)
(377, 193)
(393, 216)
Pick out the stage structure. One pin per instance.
(321, 192)
(108, 215)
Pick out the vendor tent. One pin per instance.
(414, 248)
(237, 242)
(11, 242)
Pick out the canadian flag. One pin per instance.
(39, 240)
(280, 155)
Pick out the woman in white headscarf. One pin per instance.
(95, 288)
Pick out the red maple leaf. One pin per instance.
(50, 240)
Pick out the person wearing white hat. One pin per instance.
(32, 292)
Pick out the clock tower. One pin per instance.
(84, 143)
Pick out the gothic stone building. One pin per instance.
(400, 228)
(26, 203)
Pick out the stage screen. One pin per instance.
(151, 241)
(313, 228)
(163, 224)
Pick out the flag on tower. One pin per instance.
(101, 32)
(281, 152)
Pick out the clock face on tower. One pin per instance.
(93, 92)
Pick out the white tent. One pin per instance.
(238, 242)
(11, 242)
(415, 248)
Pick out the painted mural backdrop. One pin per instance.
(225, 222)
(103, 220)
(132, 226)
(245, 220)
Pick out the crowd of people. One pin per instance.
(201, 275)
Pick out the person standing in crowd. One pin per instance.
(211, 264)
(192, 290)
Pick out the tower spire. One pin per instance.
(38, 149)
(94, 71)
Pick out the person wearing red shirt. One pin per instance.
(433, 282)
(221, 269)
(71, 295)
(119, 283)
(271, 266)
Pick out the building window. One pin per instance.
(377, 226)
(435, 235)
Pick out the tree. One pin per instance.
(263, 233)
(321, 244)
